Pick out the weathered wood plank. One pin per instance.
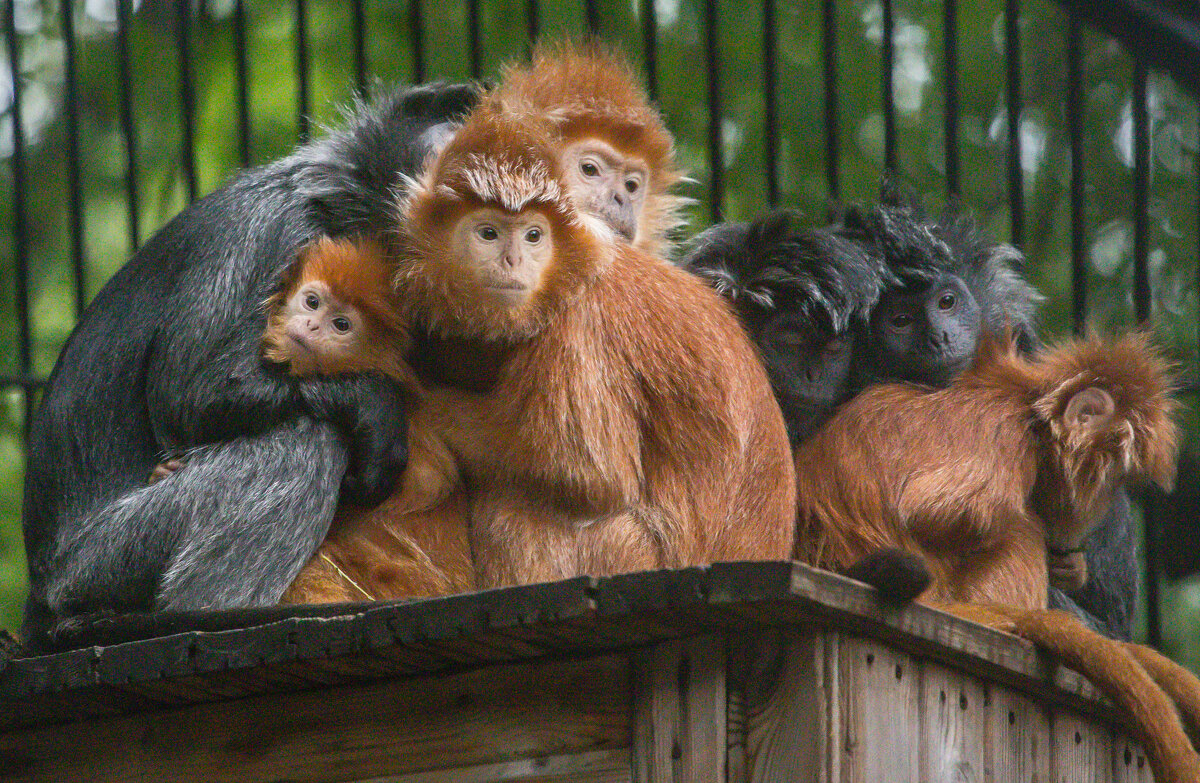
(480, 717)
(680, 711)
(777, 731)
(878, 694)
(1081, 750)
(602, 766)
(1016, 738)
(1129, 761)
(953, 716)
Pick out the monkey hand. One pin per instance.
(432, 474)
(165, 469)
(369, 410)
(1068, 568)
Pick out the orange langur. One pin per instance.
(338, 314)
(981, 477)
(616, 156)
(626, 423)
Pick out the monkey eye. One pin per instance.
(947, 301)
(533, 236)
(312, 301)
(341, 324)
(791, 339)
(835, 347)
(901, 320)
(632, 185)
(487, 233)
(589, 169)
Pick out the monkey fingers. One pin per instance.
(1068, 568)
(165, 470)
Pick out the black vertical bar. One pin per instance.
(591, 17)
(359, 22)
(125, 77)
(20, 237)
(532, 22)
(889, 97)
(74, 169)
(1075, 132)
(243, 81)
(1016, 186)
(416, 25)
(829, 44)
(1143, 306)
(183, 20)
(302, 97)
(476, 45)
(770, 112)
(650, 46)
(715, 159)
(950, 47)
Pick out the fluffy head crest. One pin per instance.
(503, 162)
(588, 91)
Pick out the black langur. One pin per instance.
(166, 360)
(800, 294)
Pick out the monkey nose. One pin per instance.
(509, 260)
(617, 197)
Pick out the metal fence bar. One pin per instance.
(1012, 91)
(74, 167)
(829, 64)
(950, 127)
(532, 20)
(20, 229)
(243, 82)
(1143, 306)
(1075, 110)
(888, 68)
(770, 111)
(303, 100)
(358, 21)
(591, 17)
(183, 20)
(650, 46)
(125, 77)
(475, 45)
(416, 26)
(715, 158)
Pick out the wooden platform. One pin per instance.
(741, 671)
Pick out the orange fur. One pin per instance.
(630, 424)
(977, 477)
(587, 91)
(1144, 685)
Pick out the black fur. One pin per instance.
(166, 359)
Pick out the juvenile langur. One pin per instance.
(801, 294)
(621, 387)
(616, 155)
(979, 478)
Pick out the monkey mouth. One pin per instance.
(300, 340)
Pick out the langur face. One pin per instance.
(927, 334)
(804, 362)
(507, 253)
(606, 183)
(320, 325)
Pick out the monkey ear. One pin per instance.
(1089, 410)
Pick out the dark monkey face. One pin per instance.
(804, 362)
(927, 333)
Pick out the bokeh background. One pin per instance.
(294, 84)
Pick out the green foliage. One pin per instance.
(680, 86)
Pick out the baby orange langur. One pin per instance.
(338, 314)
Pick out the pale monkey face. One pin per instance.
(606, 183)
(320, 325)
(508, 253)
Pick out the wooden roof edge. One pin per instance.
(568, 617)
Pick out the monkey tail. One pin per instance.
(1120, 671)
(1179, 683)
(897, 576)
